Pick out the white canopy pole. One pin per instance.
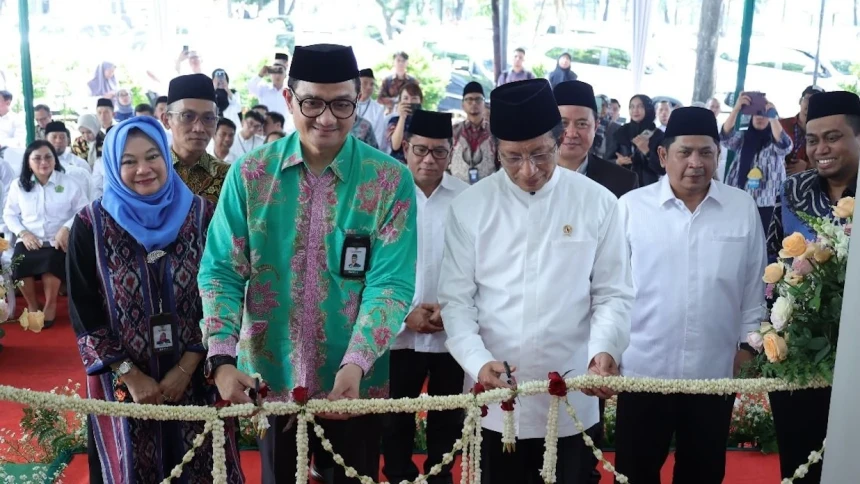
(841, 464)
(641, 32)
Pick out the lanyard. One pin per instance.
(160, 272)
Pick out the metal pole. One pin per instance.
(818, 46)
(743, 59)
(26, 70)
(840, 458)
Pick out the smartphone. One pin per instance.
(185, 49)
(415, 107)
(625, 150)
(648, 133)
(757, 105)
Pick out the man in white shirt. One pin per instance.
(664, 110)
(43, 116)
(104, 111)
(698, 252)
(247, 139)
(419, 350)
(78, 170)
(534, 273)
(368, 108)
(225, 137)
(271, 94)
(12, 133)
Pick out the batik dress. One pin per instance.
(112, 294)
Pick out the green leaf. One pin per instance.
(822, 353)
(817, 344)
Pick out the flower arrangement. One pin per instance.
(45, 434)
(752, 424)
(799, 340)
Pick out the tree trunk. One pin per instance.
(665, 5)
(539, 19)
(606, 11)
(626, 8)
(282, 7)
(706, 50)
(292, 6)
(497, 40)
(855, 13)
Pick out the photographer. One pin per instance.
(410, 101)
(228, 100)
(760, 166)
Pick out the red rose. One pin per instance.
(557, 386)
(508, 405)
(300, 395)
(484, 411)
(221, 403)
(478, 388)
(264, 391)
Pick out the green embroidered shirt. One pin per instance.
(270, 278)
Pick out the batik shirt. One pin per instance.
(205, 177)
(473, 148)
(273, 293)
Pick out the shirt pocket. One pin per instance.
(723, 258)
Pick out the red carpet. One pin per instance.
(49, 359)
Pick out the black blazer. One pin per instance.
(616, 179)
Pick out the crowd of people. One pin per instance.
(367, 246)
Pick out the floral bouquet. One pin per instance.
(807, 280)
(752, 424)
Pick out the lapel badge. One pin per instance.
(567, 229)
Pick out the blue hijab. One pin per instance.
(153, 220)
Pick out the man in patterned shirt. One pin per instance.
(833, 145)
(474, 154)
(191, 117)
(280, 295)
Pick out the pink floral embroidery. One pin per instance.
(378, 392)
(392, 230)
(261, 298)
(381, 336)
(350, 308)
(253, 169)
(213, 324)
(291, 161)
(368, 196)
(240, 262)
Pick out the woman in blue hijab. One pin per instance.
(136, 309)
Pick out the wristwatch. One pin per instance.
(124, 368)
(212, 364)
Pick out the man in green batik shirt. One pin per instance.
(282, 296)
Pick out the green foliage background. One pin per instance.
(432, 74)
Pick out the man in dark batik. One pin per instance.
(191, 117)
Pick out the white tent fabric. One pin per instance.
(641, 33)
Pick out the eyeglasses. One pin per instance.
(538, 159)
(473, 99)
(190, 117)
(312, 107)
(437, 153)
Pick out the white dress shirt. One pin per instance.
(697, 278)
(234, 110)
(432, 213)
(374, 113)
(541, 281)
(44, 210)
(242, 146)
(98, 179)
(70, 159)
(83, 178)
(12, 131)
(273, 99)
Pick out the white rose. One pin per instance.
(780, 314)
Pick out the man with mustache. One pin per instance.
(833, 146)
(191, 117)
(691, 317)
(578, 109)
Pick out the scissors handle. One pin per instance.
(508, 372)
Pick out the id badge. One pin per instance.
(355, 256)
(163, 333)
(473, 176)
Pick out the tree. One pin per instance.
(606, 11)
(498, 55)
(664, 5)
(706, 50)
(458, 10)
(390, 8)
(855, 13)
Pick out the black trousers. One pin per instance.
(646, 423)
(523, 466)
(596, 433)
(801, 424)
(356, 439)
(409, 370)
